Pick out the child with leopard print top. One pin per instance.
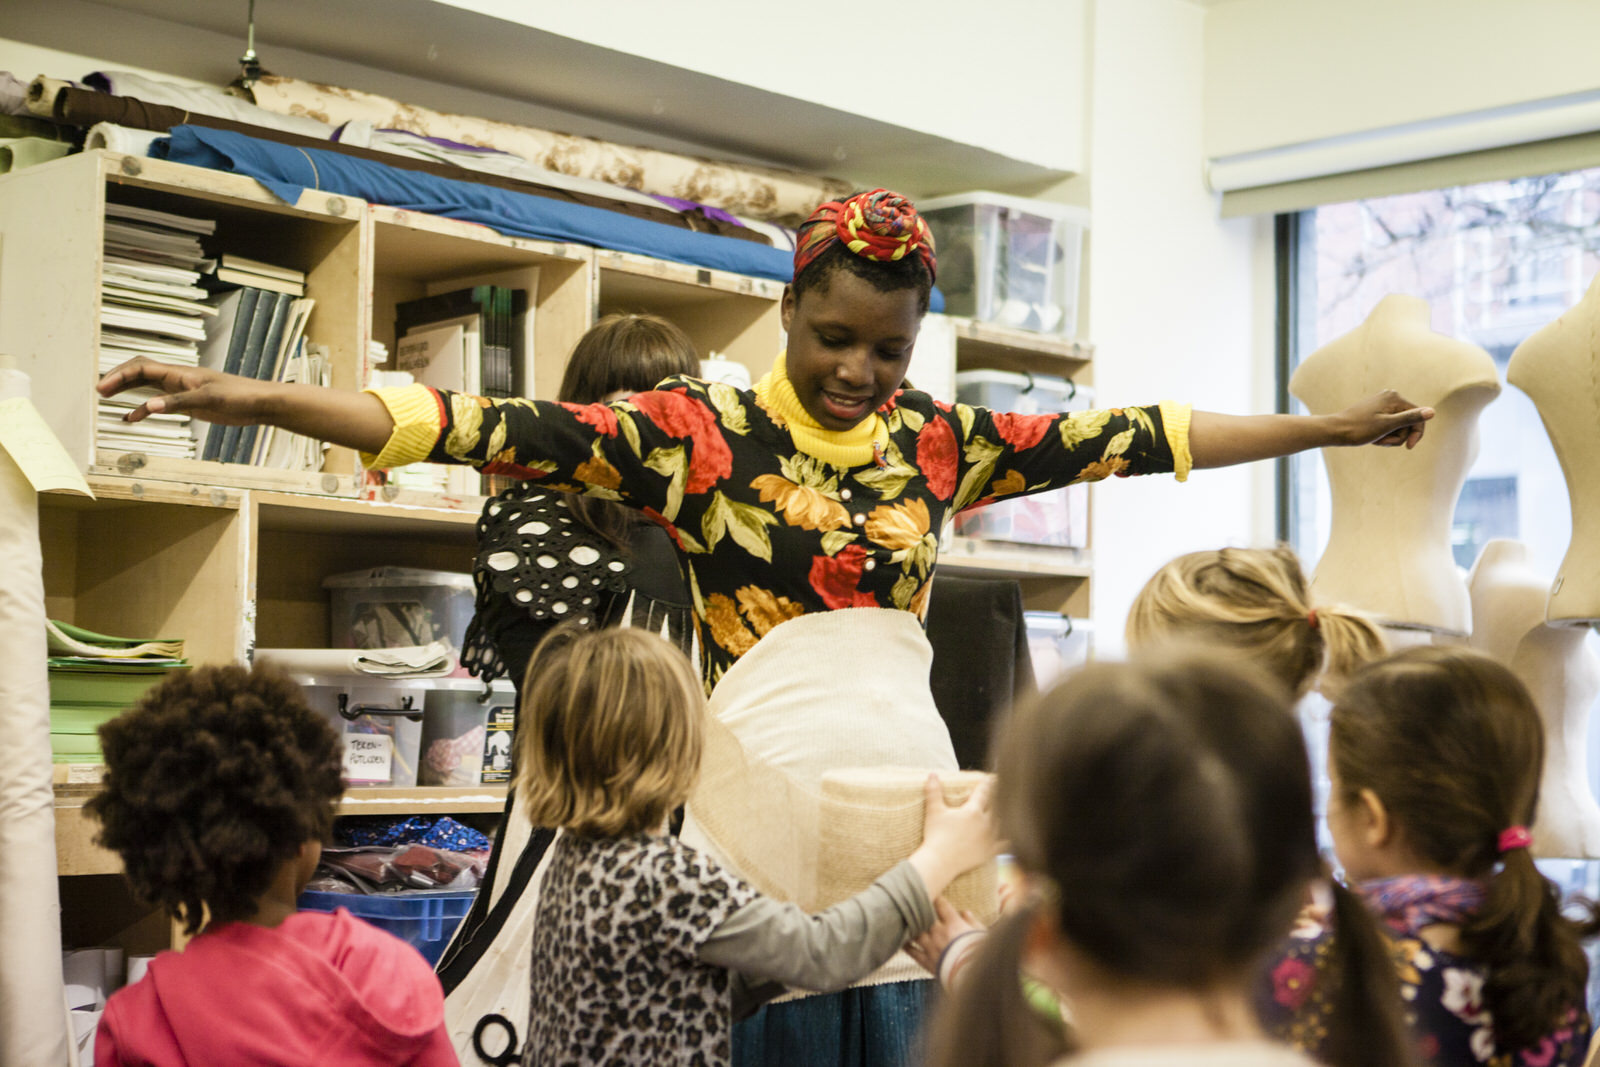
(643, 946)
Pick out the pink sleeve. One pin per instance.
(436, 1050)
(105, 1042)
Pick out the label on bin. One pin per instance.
(498, 734)
(368, 758)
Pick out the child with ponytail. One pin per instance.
(1435, 757)
(1160, 812)
(1258, 602)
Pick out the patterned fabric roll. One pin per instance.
(879, 225)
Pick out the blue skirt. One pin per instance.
(867, 1026)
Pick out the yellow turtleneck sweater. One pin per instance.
(854, 447)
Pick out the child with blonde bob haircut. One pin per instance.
(643, 946)
(1256, 600)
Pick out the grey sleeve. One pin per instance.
(766, 939)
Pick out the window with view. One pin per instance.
(1495, 262)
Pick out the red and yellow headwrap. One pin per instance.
(878, 225)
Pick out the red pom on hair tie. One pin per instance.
(1514, 837)
(1311, 618)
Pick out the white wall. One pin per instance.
(1281, 72)
(1173, 297)
(1005, 75)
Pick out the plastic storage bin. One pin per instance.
(1059, 518)
(393, 607)
(456, 732)
(1009, 260)
(381, 723)
(1057, 644)
(425, 919)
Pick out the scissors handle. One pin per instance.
(506, 1057)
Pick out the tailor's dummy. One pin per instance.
(1559, 368)
(1563, 676)
(1389, 550)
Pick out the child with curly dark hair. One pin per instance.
(220, 788)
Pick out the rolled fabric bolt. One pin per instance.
(42, 93)
(120, 139)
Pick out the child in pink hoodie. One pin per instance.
(220, 788)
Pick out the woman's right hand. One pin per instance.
(226, 399)
(954, 839)
(341, 416)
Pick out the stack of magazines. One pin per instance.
(150, 305)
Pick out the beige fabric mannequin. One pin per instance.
(1389, 550)
(1563, 675)
(1559, 368)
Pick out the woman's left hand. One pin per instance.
(1386, 419)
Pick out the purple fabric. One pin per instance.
(705, 209)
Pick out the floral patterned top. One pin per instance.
(767, 531)
(1442, 1003)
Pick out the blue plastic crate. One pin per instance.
(425, 919)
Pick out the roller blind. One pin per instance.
(1540, 137)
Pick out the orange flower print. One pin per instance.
(727, 628)
(1013, 482)
(599, 472)
(919, 602)
(763, 609)
(1101, 468)
(898, 526)
(801, 505)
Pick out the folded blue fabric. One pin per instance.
(288, 171)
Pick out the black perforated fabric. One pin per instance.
(536, 561)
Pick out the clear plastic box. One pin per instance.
(1009, 260)
(426, 919)
(1059, 518)
(395, 607)
(455, 731)
(380, 722)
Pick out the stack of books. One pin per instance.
(94, 678)
(258, 332)
(464, 340)
(150, 305)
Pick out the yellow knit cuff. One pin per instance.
(1175, 418)
(417, 425)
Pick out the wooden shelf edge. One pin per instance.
(1025, 341)
(473, 231)
(294, 511)
(996, 559)
(412, 801)
(77, 854)
(685, 274)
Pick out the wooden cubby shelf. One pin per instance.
(232, 557)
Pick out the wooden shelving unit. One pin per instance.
(231, 557)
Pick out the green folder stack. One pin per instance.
(94, 678)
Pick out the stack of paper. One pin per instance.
(150, 305)
(94, 678)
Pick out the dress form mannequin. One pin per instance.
(1389, 549)
(1562, 674)
(1559, 368)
